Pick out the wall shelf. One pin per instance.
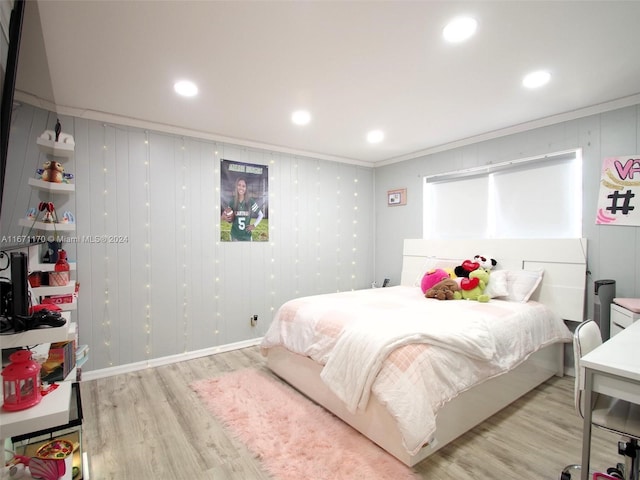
(37, 336)
(47, 290)
(48, 267)
(48, 227)
(34, 264)
(53, 410)
(57, 149)
(75, 417)
(52, 186)
(68, 306)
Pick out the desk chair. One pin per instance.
(612, 414)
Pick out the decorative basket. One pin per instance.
(35, 279)
(58, 279)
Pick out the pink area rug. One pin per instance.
(294, 438)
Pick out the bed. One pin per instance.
(378, 379)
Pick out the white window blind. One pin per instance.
(530, 198)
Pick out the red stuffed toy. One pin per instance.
(466, 268)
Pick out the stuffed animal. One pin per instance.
(446, 289)
(485, 262)
(432, 277)
(52, 172)
(472, 288)
(466, 268)
(469, 266)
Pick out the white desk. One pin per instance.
(613, 369)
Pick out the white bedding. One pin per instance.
(413, 353)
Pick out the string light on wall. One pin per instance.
(318, 218)
(106, 318)
(338, 233)
(185, 277)
(272, 233)
(296, 230)
(216, 255)
(354, 248)
(147, 247)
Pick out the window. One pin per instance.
(537, 197)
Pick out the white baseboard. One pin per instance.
(157, 362)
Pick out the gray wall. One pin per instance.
(613, 251)
(185, 291)
(330, 226)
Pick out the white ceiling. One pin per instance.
(355, 66)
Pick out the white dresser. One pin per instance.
(621, 317)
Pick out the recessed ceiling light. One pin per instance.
(459, 29)
(186, 88)
(375, 136)
(536, 79)
(301, 117)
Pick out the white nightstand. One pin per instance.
(621, 318)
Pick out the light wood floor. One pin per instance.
(149, 425)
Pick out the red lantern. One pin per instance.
(21, 382)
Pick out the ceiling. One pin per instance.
(356, 66)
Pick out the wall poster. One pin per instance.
(244, 208)
(619, 191)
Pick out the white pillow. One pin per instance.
(522, 284)
(497, 286)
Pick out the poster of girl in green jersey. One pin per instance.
(244, 210)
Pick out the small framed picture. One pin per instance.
(397, 197)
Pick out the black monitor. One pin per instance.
(9, 85)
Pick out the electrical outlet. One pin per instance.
(254, 320)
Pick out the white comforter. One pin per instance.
(414, 354)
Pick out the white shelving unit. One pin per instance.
(60, 150)
(54, 410)
(49, 290)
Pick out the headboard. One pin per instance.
(564, 262)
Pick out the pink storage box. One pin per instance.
(58, 299)
(632, 304)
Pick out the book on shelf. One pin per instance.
(60, 362)
(82, 355)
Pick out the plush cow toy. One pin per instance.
(469, 266)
